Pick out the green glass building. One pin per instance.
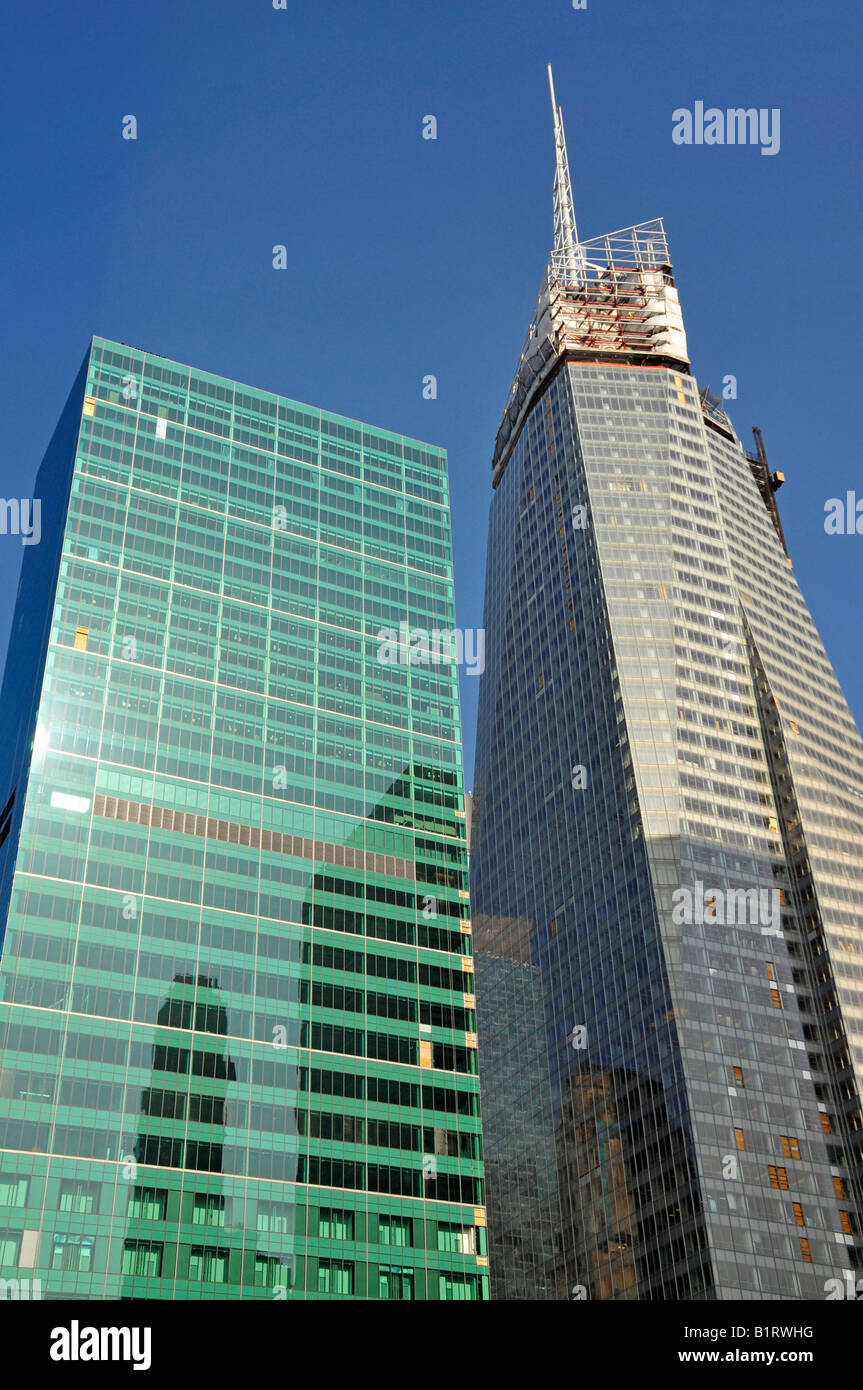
(237, 1030)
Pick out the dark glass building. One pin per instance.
(237, 1030)
(668, 829)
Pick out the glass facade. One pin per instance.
(237, 1030)
(666, 855)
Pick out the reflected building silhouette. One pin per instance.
(193, 1119)
(610, 1236)
(523, 1192)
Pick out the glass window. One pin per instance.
(459, 1240)
(274, 1217)
(457, 1288)
(72, 1252)
(271, 1271)
(148, 1203)
(143, 1258)
(208, 1264)
(209, 1209)
(336, 1225)
(395, 1281)
(79, 1196)
(335, 1276)
(13, 1191)
(395, 1230)
(9, 1243)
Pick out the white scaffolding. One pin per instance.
(608, 299)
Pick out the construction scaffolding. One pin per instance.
(613, 299)
(606, 300)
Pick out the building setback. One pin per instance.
(667, 838)
(237, 1031)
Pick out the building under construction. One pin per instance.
(659, 725)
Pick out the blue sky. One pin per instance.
(405, 256)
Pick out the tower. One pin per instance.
(237, 1036)
(668, 800)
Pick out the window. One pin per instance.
(825, 1122)
(272, 1271)
(838, 1187)
(335, 1276)
(81, 636)
(457, 1288)
(777, 998)
(13, 1191)
(805, 1251)
(148, 1203)
(142, 1258)
(395, 1281)
(274, 1217)
(459, 1240)
(395, 1230)
(209, 1209)
(778, 1177)
(72, 1252)
(336, 1225)
(738, 1076)
(79, 1196)
(770, 974)
(845, 1218)
(739, 1139)
(790, 1146)
(9, 1244)
(208, 1264)
(798, 1213)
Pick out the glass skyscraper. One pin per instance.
(667, 839)
(237, 1018)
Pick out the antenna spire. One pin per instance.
(566, 248)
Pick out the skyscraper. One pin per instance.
(237, 1033)
(668, 827)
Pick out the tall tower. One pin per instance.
(667, 850)
(237, 1030)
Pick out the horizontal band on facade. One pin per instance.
(234, 833)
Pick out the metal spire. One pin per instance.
(567, 253)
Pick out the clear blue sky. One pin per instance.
(259, 126)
